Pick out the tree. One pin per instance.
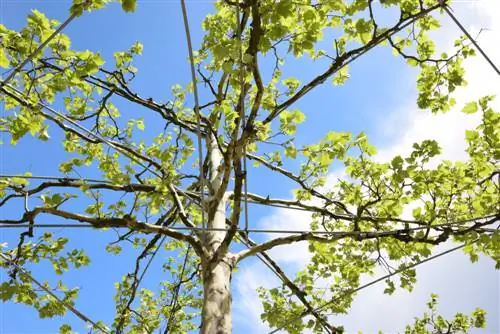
(186, 186)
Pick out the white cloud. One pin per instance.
(453, 277)
(247, 306)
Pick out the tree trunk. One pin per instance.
(216, 311)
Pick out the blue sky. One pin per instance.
(378, 99)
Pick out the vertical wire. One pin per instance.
(197, 111)
(242, 112)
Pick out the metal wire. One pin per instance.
(53, 295)
(461, 27)
(214, 229)
(335, 299)
(196, 108)
(38, 49)
(84, 129)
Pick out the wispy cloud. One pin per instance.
(452, 276)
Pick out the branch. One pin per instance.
(300, 294)
(399, 234)
(40, 47)
(182, 212)
(297, 179)
(346, 59)
(94, 138)
(364, 286)
(233, 227)
(296, 204)
(123, 91)
(137, 279)
(65, 183)
(125, 221)
(253, 48)
(53, 295)
(173, 304)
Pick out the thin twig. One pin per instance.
(53, 295)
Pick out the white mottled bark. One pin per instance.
(216, 311)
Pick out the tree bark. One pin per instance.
(216, 311)
(216, 317)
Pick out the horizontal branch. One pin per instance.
(298, 204)
(66, 183)
(399, 234)
(309, 207)
(125, 221)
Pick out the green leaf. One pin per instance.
(470, 108)
(247, 59)
(65, 329)
(140, 124)
(137, 48)
(227, 67)
(129, 5)
(291, 151)
(221, 51)
(4, 61)
(341, 76)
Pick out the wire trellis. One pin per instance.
(493, 218)
(246, 229)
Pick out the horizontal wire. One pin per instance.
(188, 228)
(252, 201)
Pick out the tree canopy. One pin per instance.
(179, 186)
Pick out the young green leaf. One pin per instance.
(470, 108)
(129, 5)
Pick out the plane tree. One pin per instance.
(183, 190)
